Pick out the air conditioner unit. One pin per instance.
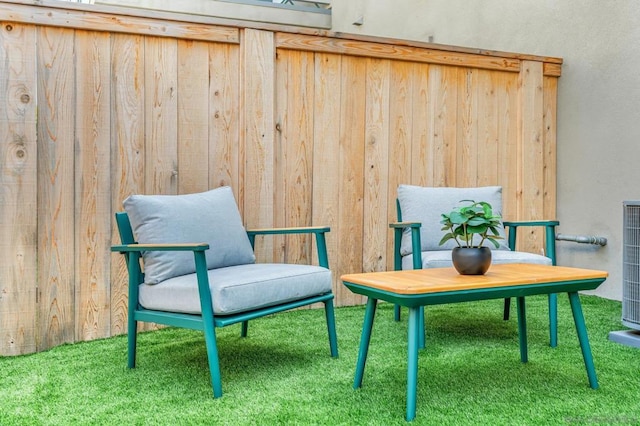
(630, 276)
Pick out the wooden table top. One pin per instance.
(435, 280)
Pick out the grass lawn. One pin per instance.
(469, 373)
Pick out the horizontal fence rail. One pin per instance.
(307, 130)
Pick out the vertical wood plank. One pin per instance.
(443, 97)
(56, 224)
(422, 123)
(507, 99)
(18, 189)
(531, 151)
(376, 170)
(259, 124)
(296, 154)
(550, 146)
(224, 131)
(350, 168)
(161, 115)
(283, 85)
(161, 120)
(401, 92)
(128, 151)
(466, 162)
(93, 185)
(193, 116)
(326, 154)
(488, 139)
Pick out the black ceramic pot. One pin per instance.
(471, 260)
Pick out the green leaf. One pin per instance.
(446, 238)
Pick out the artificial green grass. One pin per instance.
(469, 373)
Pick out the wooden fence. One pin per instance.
(307, 128)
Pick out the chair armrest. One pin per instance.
(549, 235)
(531, 223)
(160, 247)
(403, 225)
(416, 244)
(293, 230)
(319, 231)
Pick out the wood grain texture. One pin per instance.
(192, 117)
(296, 151)
(56, 218)
(18, 190)
(116, 23)
(508, 166)
(259, 128)
(224, 118)
(441, 280)
(550, 118)
(326, 151)
(531, 155)
(443, 113)
(127, 152)
(401, 98)
(376, 165)
(198, 26)
(350, 168)
(93, 185)
(422, 127)
(391, 51)
(161, 115)
(303, 137)
(466, 158)
(487, 129)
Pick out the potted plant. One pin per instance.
(470, 226)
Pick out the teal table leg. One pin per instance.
(369, 314)
(412, 362)
(421, 337)
(553, 320)
(396, 312)
(522, 329)
(581, 329)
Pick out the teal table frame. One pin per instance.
(416, 302)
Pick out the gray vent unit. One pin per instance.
(630, 276)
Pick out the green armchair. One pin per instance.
(200, 271)
(418, 231)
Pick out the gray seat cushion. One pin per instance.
(442, 258)
(239, 288)
(208, 217)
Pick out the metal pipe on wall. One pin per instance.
(584, 239)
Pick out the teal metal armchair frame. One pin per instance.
(207, 322)
(512, 231)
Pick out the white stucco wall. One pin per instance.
(599, 95)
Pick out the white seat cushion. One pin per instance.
(442, 258)
(239, 288)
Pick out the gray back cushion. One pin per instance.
(209, 217)
(426, 204)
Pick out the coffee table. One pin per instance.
(415, 289)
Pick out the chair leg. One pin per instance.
(553, 320)
(331, 327)
(132, 340)
(396, 312)
(507, 308)
(245, 328)
(212, 356)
